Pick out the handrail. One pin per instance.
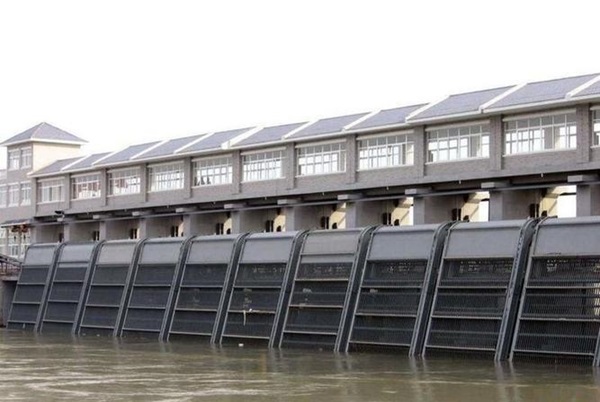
(9, 266)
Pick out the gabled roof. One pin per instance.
(330, 125)
(44, 132)
(541, 92)
(459, 104)
(387, 117)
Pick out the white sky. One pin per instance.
(123, 72)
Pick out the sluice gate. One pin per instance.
(560, 313)
(506, 289)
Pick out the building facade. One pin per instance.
(497, 154)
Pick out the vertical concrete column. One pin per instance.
(433, 209)
(584, 133)
(420, 157)
(247, 221)
(236, 162)
(301, 217)
(289, 166)
(588, 200)
(360, 214)
(103, 187)
(66, 204)
(144, 185)
(496, 143)
(188, 177)
(102, 230)
(512, 204)
(351, 159)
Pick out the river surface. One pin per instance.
(59, 368)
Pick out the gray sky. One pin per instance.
(122, 72)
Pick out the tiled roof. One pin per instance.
(44, 132)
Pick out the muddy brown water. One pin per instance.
(61, 368)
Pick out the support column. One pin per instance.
(434, 209)
(588, 200)
(512, 204)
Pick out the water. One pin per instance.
(97, 369)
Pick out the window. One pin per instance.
(321, 159)
(84, 187)
(50, 191)
(381, 152)
(122, 182)
(13, 244)
(213, 171)
(596, 127)
(3, 236)
(13, 195)
(166, 177)
(26, 193)
(540, 134)
(3, 196)
(456, 143)
(25, 242)
(26, 157)
(134, 233)
(262, 166)
(14, 159)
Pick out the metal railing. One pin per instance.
(9, 266)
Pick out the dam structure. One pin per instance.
(498, 290)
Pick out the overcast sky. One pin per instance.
(123, 72)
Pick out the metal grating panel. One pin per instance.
(32, 286)
(469, 304)
(68, 288)
(561, 307)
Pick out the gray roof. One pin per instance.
(43, 132)
(331, 125)
(543, 91)
(126, 154)
(214, 141)
(169, 147)
(55, 167)
(460, 104)
(270, 134)
(88, 161)
(593, 89)
(388, 117)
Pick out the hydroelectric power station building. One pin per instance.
(396, 272)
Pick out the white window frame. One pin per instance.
(212, 171)
(124, 182)
(596, 126)
(458, 142)
(540, 133)
(166, 177)
(14, 196)
(25, 193)
(85, 186)
(51, 191)
(263, 165)
(3, 195)
(385, 151)
(26, 157)
(321, 158)
(14, 159)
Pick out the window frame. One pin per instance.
(458, 142)
(214, 174)
(321, 156)
(263, 165)
(135, 174)
(89, 184)
(382, 155)
(170, 172)
(521, 137)
(44, 185)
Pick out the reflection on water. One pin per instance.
(93, 369)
